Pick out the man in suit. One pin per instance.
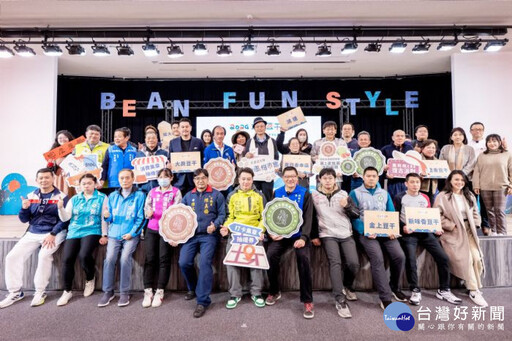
(185, 143)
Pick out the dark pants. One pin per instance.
(274, 253)
(410, 244)
(396, 186)
(267, 188)
(374, 248)
(338, 250)
(205, 244)
(158, 256)
(83, 248)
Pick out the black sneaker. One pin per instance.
(384, 304)
(200, 310)
(399, 296)
(190, 295)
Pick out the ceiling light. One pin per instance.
(298, 50)
(323, 51)
(200, 49)
(495, 45)
(150, 50)
(223, 50)
(248, 49)
(75, 50)
(470, 46)
(52, 50)
(398, 47)
(124, 50)
(174, 51)
(349, 48)
(100, 50)
(373, 47)
(273, 50)
(447, 45)
(421, 48)
(5, 52)
(23, 50)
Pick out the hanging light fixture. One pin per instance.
(299, 50)
(421, 48)
(100, 50)
(52, 50)
(349, 48)
(373, 47)
(223, 50)
(23, 50)
(470, 46)
(5, 52)
(324, 50)
(398, 46)
(447, 45)
(174, 51)
(150, 49)
(200, 49)
(495, 45)
(273, 49)
(124, 50)
(75, 49)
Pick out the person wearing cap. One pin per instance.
(262, 144)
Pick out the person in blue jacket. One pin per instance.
(45, 232)
(125, 214)
(185, 143)
(218, 149)
(118, 156)
(210, 207)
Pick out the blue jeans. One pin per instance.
(115, 247)
(202, 284)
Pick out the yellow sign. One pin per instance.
(420, 219)
(301, 162)
(437, 169)
(185, 162)
(381, 223)
(291, 118)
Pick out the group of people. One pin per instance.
(112, 211)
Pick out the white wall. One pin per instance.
(482, 91)
(28, 94)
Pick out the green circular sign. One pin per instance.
(367, 157)
(348, 166)
(282, 217)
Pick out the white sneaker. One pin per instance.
(415, 298)
(477, 298)
(89, 287)
(64, 299)
(148, 297)
(39, 297)
(349, 294)
(447, 295)
(11, 298)
(159, 297)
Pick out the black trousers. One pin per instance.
(158, 260)
(267, 188)
(83, 248)
(275, 251)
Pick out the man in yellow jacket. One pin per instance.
(245, 206)
(92, 145)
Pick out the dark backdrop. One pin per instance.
(78, 101)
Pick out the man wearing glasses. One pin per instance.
(209, 205)
(45, 232)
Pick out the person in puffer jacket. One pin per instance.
(334, 210)
(125, 215)
(245, 206)
(209, 205)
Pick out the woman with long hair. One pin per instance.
(492, 180)
(206, 137)
(459, 220)
(459, 155)
(62, 137)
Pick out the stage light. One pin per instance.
(100, 50)
(223, 50)
(52, 50)
(495, 45)
(150, 50)
(323, 51)
(447, 45)
(349, 48)
(248, 49)
(421, 48)
(470, 46)
(124, 50)
(273, 49)
(373, 47)
(398, 47)
(174, 51)
(298, 50)
(5, 52)
(75, 50)
(200, 49)
(23, 50)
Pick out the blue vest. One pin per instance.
(376, 202)
(297, 195)
(119, 160)
(86, 215)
